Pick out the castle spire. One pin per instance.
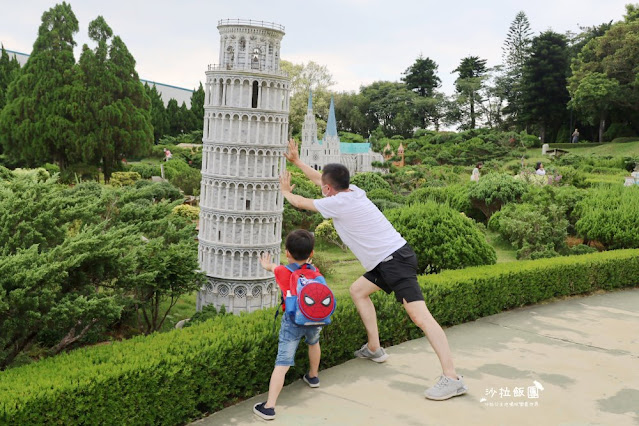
(310, 101)
(331, 124)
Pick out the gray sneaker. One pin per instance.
(379, 355)
(446, 388)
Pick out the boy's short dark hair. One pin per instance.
(299, 244)
(337, 176)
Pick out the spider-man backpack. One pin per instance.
(311, 302)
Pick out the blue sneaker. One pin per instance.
(263, 412)
(311, 381)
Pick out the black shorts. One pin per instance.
(398, 273)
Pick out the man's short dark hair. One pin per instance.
(337, 176)
(299, 244)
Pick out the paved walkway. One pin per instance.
(571, 362)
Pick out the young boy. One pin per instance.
(299, 249)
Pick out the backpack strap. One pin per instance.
(294, 267)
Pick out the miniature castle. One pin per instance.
(357, 157)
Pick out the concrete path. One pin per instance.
(571, 362)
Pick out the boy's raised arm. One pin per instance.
(293, 156)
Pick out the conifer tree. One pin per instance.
(8, 71)
(516, 51)
(159, 120)
(544, 91)
(197, 108)
(36, 124)
(117, 122)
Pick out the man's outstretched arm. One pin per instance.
(293, 156)
(296, 200)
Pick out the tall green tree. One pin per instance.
(304, 79)
(115, 122)
(159, 119)
(392, 106)
(593, 96)
(9, 69)
(350, 113)
(421, 77)
(37, 124)
(515, 53)
(544, 92)
(468, 85)
(615, 55)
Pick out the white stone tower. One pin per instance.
(245, 135)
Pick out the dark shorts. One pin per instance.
(398, 275)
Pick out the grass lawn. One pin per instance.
(626, 149)
(505, 252)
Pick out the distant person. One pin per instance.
(167, 155)
(390, 263)
(474, 176)
(299, 249)
(575, 136)
(539, 169)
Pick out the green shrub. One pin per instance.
(51, 168)
(124, 178)
(326, 231)
(619, 130)
(324, 263)
(186, 211)
(536, 230)
(441, 237)
(610, 215)
(384, 194)
(174, 377)
(184, 177)
(494, 190)
(369, 181)
(145, 170)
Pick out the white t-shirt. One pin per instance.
(475, 175)
(541, 172)
(361, 226)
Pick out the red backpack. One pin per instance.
(311, 301)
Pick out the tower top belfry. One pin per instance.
(248, 45)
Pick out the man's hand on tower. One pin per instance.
(292, 154)
(285, 182)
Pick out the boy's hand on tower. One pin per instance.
(285, 182)
(265, 261)
(292, 154)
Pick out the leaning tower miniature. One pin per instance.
(245, 135)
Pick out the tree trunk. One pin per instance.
(71, 336)
(17, 348)
(542, 133)
(602, 126)
(472, 111)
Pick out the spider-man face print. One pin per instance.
(316, 301)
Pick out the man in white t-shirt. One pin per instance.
(390, 263)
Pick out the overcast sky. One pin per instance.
(360, 41)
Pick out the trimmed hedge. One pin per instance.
(173, 377)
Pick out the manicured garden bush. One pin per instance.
(174, 377)
(441, 237)
(124, 178)
(369, 181)
(494, 190)
(610, 215)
